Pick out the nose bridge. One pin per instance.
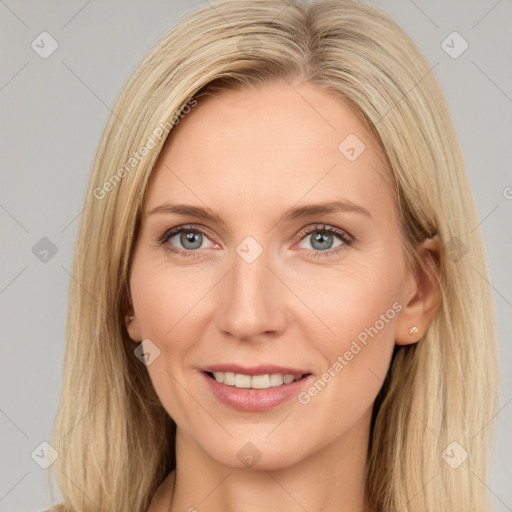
(251, 302)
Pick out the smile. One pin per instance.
(254, 393)
(264, 381)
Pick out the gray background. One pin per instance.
(53, 114)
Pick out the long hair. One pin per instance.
(114, 439)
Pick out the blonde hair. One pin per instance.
(115, 440)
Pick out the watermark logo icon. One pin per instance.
(249, 249)
(249, 46)
(454, 45)
(147, 352)
(249, 454)
(44, 250)
(455, 249)
(454, 455)
(44, 45)
(44, 455)
(351, 147)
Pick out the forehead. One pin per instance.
(281, 115)
(276, 142)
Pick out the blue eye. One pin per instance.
(191, 238)
(321, 238)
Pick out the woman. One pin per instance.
(274, 304)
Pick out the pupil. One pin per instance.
(321, 238)
(189, 238)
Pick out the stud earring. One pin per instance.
(130, 318)
(413, 330)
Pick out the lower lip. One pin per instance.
(255, 400)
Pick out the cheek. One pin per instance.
(349, 300)
(166, 301)
(358, 308)
(171, 313)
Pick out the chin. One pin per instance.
(257, 454)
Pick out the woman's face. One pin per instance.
(264, 280)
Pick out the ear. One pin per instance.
(130, 319)
(421, 294)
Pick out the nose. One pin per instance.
(253, 302)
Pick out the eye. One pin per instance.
(188, 240)
(321, 239)
(185, 240)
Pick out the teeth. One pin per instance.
(229, 378)
(276, 379)
(240, 380)
(260, 381)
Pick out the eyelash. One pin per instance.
(345, 237)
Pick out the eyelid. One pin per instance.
(171, 232)
(342, 234)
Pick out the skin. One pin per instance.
(249, 155)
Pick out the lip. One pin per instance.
(261, 369)
(254, 400)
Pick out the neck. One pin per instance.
(331, 478)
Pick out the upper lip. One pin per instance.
(260, 369)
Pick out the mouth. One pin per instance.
(254, 391)
(262, 381)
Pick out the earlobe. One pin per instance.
(421, 294)
(133, 328)
(130, 320)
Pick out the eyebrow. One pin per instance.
(295, 212)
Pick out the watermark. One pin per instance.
(249, 46)
(44, 455)
(455, 249)
(356, 346)
(249, 454)
(454, 455)
(44, 250)
(454, 45)
(249, 249)
(507, 192)
(351, 147)
(146, 352)
(136, 158)
(44, 45)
